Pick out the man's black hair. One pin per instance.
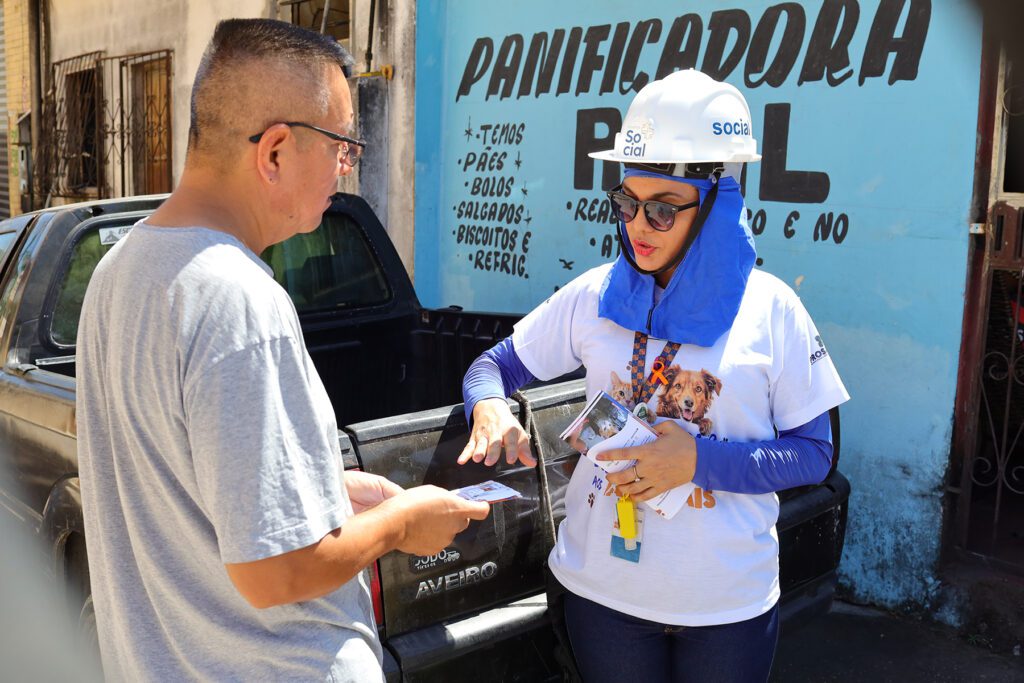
(240, 41)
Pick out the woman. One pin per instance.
(736, 390)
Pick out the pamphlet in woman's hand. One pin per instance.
(606, 424)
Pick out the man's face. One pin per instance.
(320, 158)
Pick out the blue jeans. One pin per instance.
(612, 646)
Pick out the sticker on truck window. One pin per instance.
(110, 236)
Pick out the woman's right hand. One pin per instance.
(494, 428)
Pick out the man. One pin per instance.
(222, 539)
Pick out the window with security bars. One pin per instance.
(107, 127)
(331, 17)
(68, 160)
(150, 124)
(82, 137)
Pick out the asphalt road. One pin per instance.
(856, 644)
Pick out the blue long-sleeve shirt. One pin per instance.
(798, 456)
(497, 373)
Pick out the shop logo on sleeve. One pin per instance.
(822, 352)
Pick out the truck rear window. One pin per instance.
(68, 307)
(331, 268)
(6, 240)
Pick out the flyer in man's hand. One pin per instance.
(488, 492)
(606, 424)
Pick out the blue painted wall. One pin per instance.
(885, 284)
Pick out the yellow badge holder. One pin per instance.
(625, 542)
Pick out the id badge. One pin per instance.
(620, 545)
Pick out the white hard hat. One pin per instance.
(685, 118)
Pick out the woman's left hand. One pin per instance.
(367, 490)
(663, 464)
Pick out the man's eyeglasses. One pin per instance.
(660, 215)
(350, 150)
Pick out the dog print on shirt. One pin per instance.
(688, 396)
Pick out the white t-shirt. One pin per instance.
(716, 561)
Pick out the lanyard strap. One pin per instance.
(642, 391)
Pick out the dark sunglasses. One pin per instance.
(660, 215)
(351, 149)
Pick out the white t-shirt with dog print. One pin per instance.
(716, 561)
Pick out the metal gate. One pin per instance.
(67, 160)
(986, 477)
(106, 127)
(991, 506)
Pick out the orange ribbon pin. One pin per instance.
(656, 372)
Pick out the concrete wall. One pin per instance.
(389, 187)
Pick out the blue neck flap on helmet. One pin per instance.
(703, 296)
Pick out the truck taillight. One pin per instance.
(375, 593)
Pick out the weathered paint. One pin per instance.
(888, 296)
(394, 43)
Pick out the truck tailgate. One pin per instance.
(493, 562)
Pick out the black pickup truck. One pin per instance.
(475, 611)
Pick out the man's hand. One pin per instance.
(433, 517)
(494, 427)
(421, 521)
(664, 464)
(367, 490)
